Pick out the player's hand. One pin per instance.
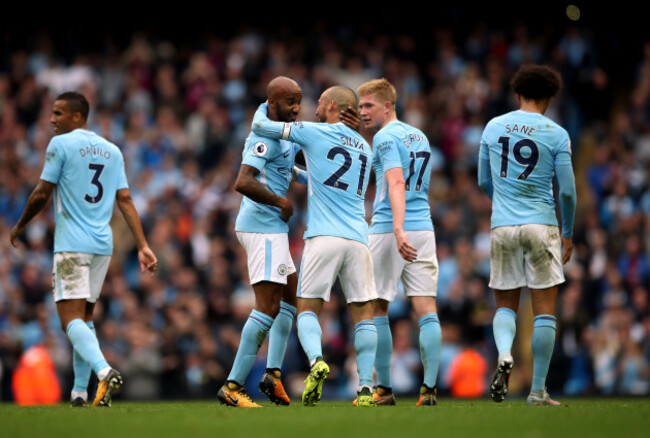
(286, 209)
(567, 245)
(148, 260)
(15, 232)
(350, 118)
(406, 250)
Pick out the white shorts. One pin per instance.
(78, 275)
(420, 277)
(325, 258)
(268, 256)
(525, 255)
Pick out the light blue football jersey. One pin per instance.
(523, 149)
(274, 159)
(338, 170)
(401, 145)
(88, 171)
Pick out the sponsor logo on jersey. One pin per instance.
(260, 149)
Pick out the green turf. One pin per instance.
(451, 418)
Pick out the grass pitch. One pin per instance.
(451, 418)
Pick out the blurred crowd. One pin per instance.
(180, 114)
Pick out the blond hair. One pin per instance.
(383, 90)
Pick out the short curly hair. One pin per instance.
(536, 82)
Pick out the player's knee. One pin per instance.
(269, 308)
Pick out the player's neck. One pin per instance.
(535, 106)
(80, 126)
(390, 118)
(333, 117)
(272, 114)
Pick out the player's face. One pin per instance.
(289, 106)
(321, 111)
(373, 113)
(62, 119)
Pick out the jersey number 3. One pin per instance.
(530, 161)
(97, 168)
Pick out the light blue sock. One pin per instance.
(384, 351)
(543, 342)
(430, 342)
(80, 367)
(85, 343)
(252, 336)
(504, 327)
(279, 335)
(365, 345)
(310, 333)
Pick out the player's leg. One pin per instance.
(258, 324)
(365, 346)
(112, 381)
(358, 284)
(71, 312)
(383, 394)
(281, 329)
(543, 342)
(420, 279)
(310, 336)
(430, 345)
(271, 383)
(504, 328)
(504, 323)
(81, 369)
(321, 261)
(267, 270)
(73, 287)
(543, 273)
(387, 267)
(506, 278)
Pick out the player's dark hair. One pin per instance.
(77, 103)
(536, 82)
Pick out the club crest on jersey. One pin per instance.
(282, 269)
(260, 149)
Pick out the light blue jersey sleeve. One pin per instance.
(265, 127)
(484, 173)
(567, 189)
(387, 150)
(54, 160)
(258, 151)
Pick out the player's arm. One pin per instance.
(568, 200)
(37, 200)
(265, 127)
(249, 186)
(397, 198)
(146, 257)
(484, 172)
